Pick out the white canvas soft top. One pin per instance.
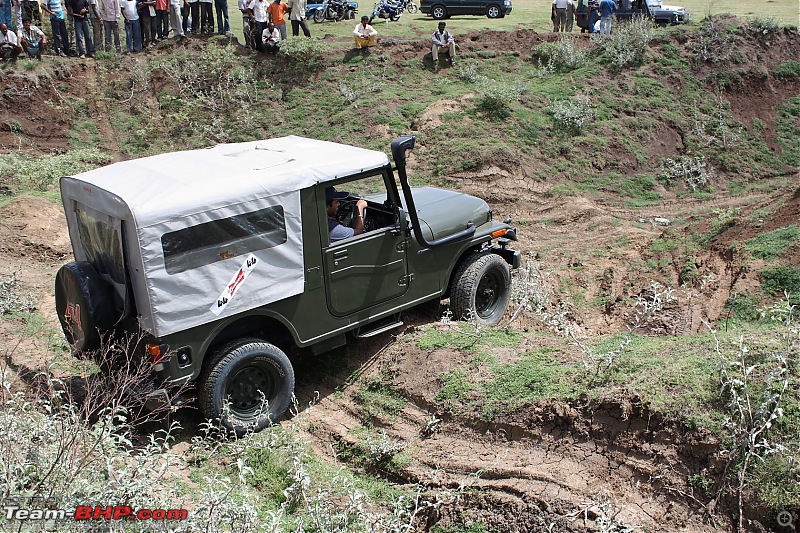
(156, 195)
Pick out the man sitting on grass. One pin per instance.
(365, 35)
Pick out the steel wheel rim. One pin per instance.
(243, 396)
(488, 294)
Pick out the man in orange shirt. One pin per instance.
(276, 10)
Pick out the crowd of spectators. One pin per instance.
(81, 27)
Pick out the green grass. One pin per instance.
(379, 401)
(768, 246)
(776, 280)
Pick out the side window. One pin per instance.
(380, 212)
(222, 239)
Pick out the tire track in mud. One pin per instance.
(526, 470)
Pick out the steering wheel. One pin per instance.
(346, 211)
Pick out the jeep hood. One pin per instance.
(442, 212)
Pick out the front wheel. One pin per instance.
(481, 289)
(439, 12)
(412, 8)
(247, 386)
(494, 12)
(319, 15)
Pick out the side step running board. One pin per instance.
(378, 330)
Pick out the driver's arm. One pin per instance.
(358, 217)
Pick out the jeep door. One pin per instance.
(371, 268)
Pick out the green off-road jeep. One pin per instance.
(222, 258)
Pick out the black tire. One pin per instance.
(494, 11)
(371, 18)
(319, 15)
(235, 376)
(84, 305)
(350, 14)
(412, 8)
(481, 289)
(439, 12)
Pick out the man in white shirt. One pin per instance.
(442, 40)
(9, 44)
(365, 35)
(270, 39)
(133, 29)
(257, 9)
(561, 14)
(297, 16)
(175, 18)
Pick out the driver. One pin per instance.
(336, 230)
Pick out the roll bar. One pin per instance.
(399, 148)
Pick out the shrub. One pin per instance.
(626, 46)
(572, 114)
(495, 97)
(712, 42)
(24, 171)
(776, 280)
(789, 69)
(562, 56)
(304, 50)
(11, 301)
(694, 171)
(764, 25)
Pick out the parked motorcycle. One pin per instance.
(410, 6)
(387, 9)
(334, 10)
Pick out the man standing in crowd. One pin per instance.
(257, 9)
(223, 24)
(9, 44)
(110, 12)
(162, 19)
(59, 26)
(298, 17)
(442, 40)
(175, 18)
(561, 14)
(246, 29)
(32, 39)
(30, 9)
(79, 9)
(194, 16)
(275, 11)
(206, 25)
(147, 20)
(133, 30)
(5, 13)
(97, 24)
(607, 8)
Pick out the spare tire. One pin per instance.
(84, 305)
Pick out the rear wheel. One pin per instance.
(439, 12)
(319, 15)
(494, 11)
(481, 289)
(247, 386)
